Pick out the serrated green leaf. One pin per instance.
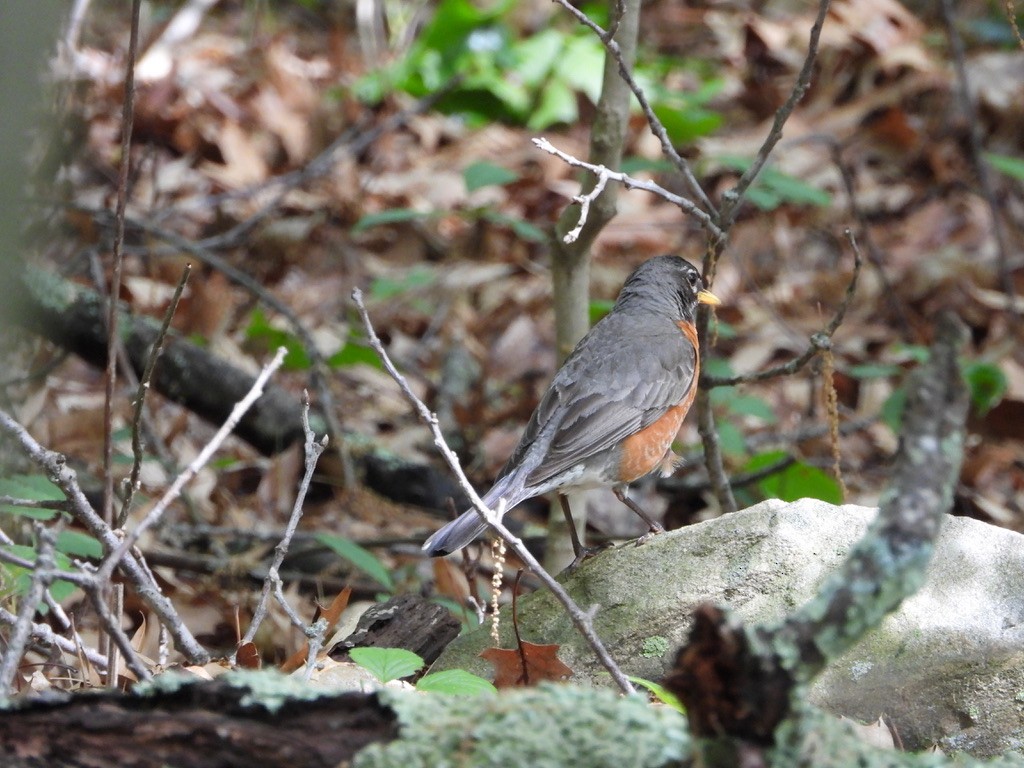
(359, 557)
(987, 384)
(485, 174)
(387, 664)
(659, 692)
(457, 682)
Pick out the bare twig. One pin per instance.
(732, 198)
(55, 466)
(132, 484)
(156, 512)
(629, 182)
(272, 583)
(113, 652)
(127, 115)
(819, 342)
(45, 634)
(22, 631)
(652, 120)
(582, 620)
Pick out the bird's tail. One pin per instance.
(467, 526)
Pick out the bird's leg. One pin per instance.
(581, 552)
(654, 525)
(577, 545)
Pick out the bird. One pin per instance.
(614, 407)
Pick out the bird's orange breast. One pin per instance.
(643, 451)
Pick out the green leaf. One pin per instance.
(598, 308)
(684, 124)
(987, 384)
(1007, 165)
(359, 557)
(455, 681)
(634, 165)
(78, 544)
(772, 187)
(387, 664)
(731, 439)
(892, 409)
(354, 354)
(390, 216)
(389, 287)
(19, 579)
(874, 371)
(797, 481)
(750, 405)
(31, 488)
(270, 337)
(659, 692)
(717, 366)
(582, 65)
(556, 105)
(485, 174)
(537, 55)
(794, 190)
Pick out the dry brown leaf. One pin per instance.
(527, 665)
(248, 656)
(332, 613)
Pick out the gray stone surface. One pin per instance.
(947, 668)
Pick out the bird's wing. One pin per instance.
(603, 394)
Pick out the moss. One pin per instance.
(546, 727)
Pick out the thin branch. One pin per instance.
(272, 583)
(156, 512)
(127, 115)
(55, 466)
(41, 578)
(819, 342)
(732, 198)
(580, 619)
(652, 120)
(45, 634)
(629, 182)
(132, 483)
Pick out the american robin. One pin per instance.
(615, 405)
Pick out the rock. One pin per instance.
(947, 668)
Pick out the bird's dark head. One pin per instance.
(669, 283)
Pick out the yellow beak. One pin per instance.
(707, 297)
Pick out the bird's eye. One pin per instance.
(692, 277)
